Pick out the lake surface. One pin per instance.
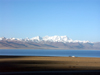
(47, 52)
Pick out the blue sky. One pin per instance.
(78, 19)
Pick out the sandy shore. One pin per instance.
(33, 63)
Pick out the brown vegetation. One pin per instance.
(31, 63)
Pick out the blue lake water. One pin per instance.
(47, 52)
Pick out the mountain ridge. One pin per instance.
(53, 42)
(63, 39)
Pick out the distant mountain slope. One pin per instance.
(54, 42)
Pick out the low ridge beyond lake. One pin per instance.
(47, 52)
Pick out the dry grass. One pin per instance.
(32, 63)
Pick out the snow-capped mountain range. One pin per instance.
(47, 42)
(63, 39)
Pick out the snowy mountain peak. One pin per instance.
(55, 38)
(2, 38)
(38, 38)
(13, 39)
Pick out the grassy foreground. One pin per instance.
(35, 63)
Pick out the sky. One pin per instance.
(77, 19)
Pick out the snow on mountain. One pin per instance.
(48, 38)
(13, 39)
(2, 38)
(26, 39)
(81, 41)
(37, 38)
(57, 39)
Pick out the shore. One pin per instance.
(36, 63)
